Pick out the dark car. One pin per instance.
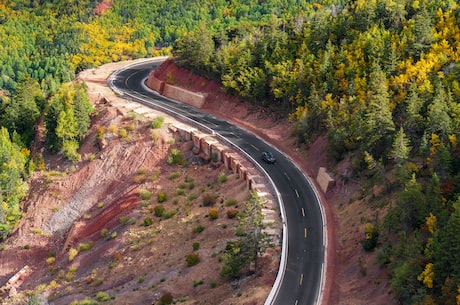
(268, 157)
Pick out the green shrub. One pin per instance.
(156, 175)
(371, 237)
(213, 214)
(180, 192)
(72, 254)
(169, 214)
(122, 133)
(91, 157)
(158, 122)
(192, 259)
(145, 194)
(148, 221)
(197, 283)
(198, 229)
(166, 299)
(104, 232)
(162, 197)
(86, 246)
(196, 246)
(85, 301)
(209, 199)
(192, 197)
(230, 202)
(174, 175)
(102, 296)
(123, 220)
(159, 210)
(213, 284)
(100, 132)
(176, 157)
(222, 178)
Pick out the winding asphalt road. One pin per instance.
(300, 278)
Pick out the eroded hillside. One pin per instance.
(119, 225)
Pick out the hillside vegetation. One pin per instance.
(379, 79)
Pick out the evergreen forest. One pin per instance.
(380, 79)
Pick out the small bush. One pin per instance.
(122, 133)
(148, 221)
(180, 192)
(192, 197)
(176, 157)
(232, 213)
(198, 229)
(123, 220)
(222, 177)
(104, 232)
(371, 237)
(230, 202)
(213, 284)
(91, 157)
(50, 260)
(100, 205)
(155, 137)
(197, 283)
(113, 128)
(169, 214)
(132, 126)
(213, 214)
(85, 246)
(156, 175)
(209, 199)
(158, 122)
(166, 299)
(174, 175)
(100, 132)
(85, 301)
(102, 296)
(159, 210)
(196, 246)
(145, 194)
(192, 259)
(72, 254)
(162, 197)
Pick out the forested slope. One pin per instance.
(379, 78)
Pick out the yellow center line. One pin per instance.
(305, 232)
(301, 279)
(287, 177)
(303, 212)
(297, 193)
(255, 147)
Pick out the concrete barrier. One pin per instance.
(324, 179)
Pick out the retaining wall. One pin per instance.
(176, 93)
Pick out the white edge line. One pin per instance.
(283, 261)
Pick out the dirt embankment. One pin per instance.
(119, 225)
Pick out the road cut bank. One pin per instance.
(176, 93)
(323, 178)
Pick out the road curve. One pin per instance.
(301, 275)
